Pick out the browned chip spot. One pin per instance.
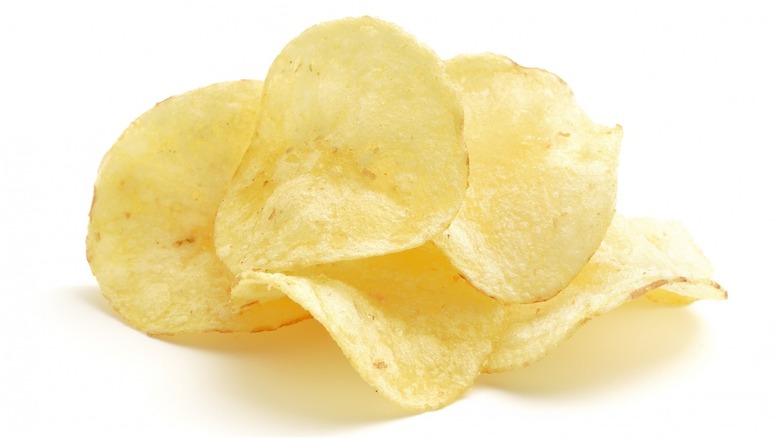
(643, 290)
(380, 365)
(127, 215)
(247, 305)
(466, 279)
(272, 215)
(369, 174)
(267, 328)
(564, 134)
(184, 241)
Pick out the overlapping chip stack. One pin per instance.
(440, 220)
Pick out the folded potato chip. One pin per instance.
(542, 181)
(409, 323)
(419, 333)
(150, 242)
(673, 240)
(359, 152)
(636, 257)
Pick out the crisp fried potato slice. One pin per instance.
(359, 152)
(627, 265)
(409, 323)
(416, 330)
(542, 181)
(149, 242)
(674, 240)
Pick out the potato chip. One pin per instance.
(149, 242)
(359, 152)
(627, 265)
(409, 323)
(674, 240)
(542, 181)
(417, 331)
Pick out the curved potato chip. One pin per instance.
(149, 242)
(626, 266)
(359, 152)
(408, 322)
(674, 240)
(684, 292)
(542, 181)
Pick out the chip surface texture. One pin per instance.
(439, 220)
(359, 152)
(542, 183)
(149, 240)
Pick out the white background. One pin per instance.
(694, 84)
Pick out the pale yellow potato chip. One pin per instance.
(686, 291)
(359, 152)
(149, 241)
(409, 323)
(674, 240)
(627, 265)
(416, 330)
(542, 181)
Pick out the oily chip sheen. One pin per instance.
(149, 241)
(635, 258)
(359, 152)
(542, 181)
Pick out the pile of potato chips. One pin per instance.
(439, 219)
